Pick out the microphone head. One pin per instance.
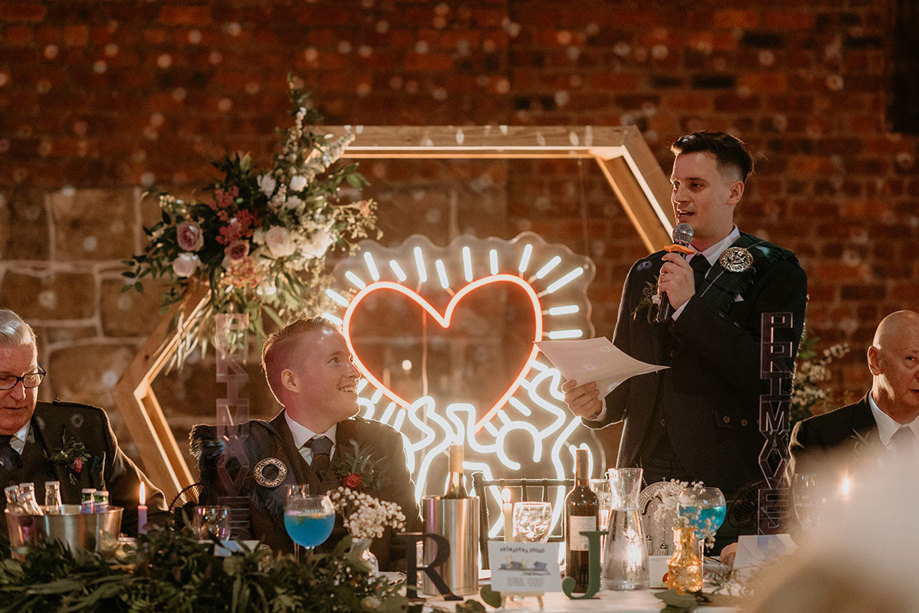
(682, 234)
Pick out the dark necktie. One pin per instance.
(9, 459)
(699, 266)
(903, 442)
(321, 446)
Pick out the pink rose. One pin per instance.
(189, 236)
(237, 250)
(353, 481)
(185, 265)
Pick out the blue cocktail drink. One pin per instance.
(308, 529)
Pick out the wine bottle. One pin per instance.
(456, 488)
(582, 512)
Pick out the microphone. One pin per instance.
(682, 236)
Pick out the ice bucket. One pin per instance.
(457, 520)
(77, 530)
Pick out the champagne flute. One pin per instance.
(532, 521)
(704, 508)
(308, 519)
(604, 494)
(809, 499)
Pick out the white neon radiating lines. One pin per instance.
(371, 266)
(355, 280)
(525, 259)
(567, 309)
(338, 298)
(565, 280)
(548, 267)
(442, 274)
(397, 270)
(493, 261)
(467, 263)
(419, 264)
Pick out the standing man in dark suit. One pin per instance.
(697, 419)
(310, 373)
(70, 443)
(886, 417)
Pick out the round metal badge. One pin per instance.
(264, 480)
(736, 259)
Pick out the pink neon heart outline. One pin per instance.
(444, 321)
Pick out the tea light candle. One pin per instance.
(142, 510)
(507, 511)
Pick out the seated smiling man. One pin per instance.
(60, 441)
(310, 373)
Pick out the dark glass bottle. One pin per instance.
(582, 512)
(456, 487)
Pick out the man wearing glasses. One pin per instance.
(70, 443)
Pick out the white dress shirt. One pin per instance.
(302, 435)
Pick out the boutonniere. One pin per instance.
(357, 469)
(649, 303)
(72, 455)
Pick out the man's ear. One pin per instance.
(736, 193)
(289, 380)
(874, 360)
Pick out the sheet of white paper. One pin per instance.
(754, 551)
(595, 359)
(524, 567)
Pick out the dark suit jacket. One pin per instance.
(850, 431)
(707, 402)
(274, 440)
(108, 468)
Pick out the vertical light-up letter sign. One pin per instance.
(444, 338)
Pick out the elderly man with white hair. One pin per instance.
(60, 441)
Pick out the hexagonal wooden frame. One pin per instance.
(622, 154)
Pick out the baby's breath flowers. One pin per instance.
(365, 516)
(809, 394)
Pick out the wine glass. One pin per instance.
(212, 521)
(532, 521)
(604, 494)
(308, 519)
(810, 500)
(704, 508)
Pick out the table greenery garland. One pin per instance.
(173, 571)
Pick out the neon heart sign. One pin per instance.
(445, 321)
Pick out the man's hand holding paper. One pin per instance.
(593, 368)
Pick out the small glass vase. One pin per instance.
(625, 552)
(684, 569)
(361, 547)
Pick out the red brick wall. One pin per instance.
(99, 100)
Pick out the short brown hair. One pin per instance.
(728, 150)
(277, 347)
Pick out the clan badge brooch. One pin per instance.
(736, 259)
(270, 472)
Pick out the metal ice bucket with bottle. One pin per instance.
(77, 530)
(457, 520)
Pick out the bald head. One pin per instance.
(893, 359)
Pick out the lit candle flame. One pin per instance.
(143, 494)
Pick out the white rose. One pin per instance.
(186, 264)
(318, 244)
(297, 183)
(266, 183)
(278, 241)
(293, 204)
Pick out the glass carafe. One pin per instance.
(625, 553)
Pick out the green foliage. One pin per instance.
(174, 572)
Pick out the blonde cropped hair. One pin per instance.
(276, 352)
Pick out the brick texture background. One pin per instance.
(102, 100)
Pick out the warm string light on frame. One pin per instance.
(388, 296)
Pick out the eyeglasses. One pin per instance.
(29, 380)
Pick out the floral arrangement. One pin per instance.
(668, 512)
(72, 455)
(357, 469)
(364, 516)
(258, 244)
(809, 395)
(172, 571)
(649, 303)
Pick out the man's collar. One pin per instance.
(714, 252)
(887, 425)
(301, 434)
(18, 439)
